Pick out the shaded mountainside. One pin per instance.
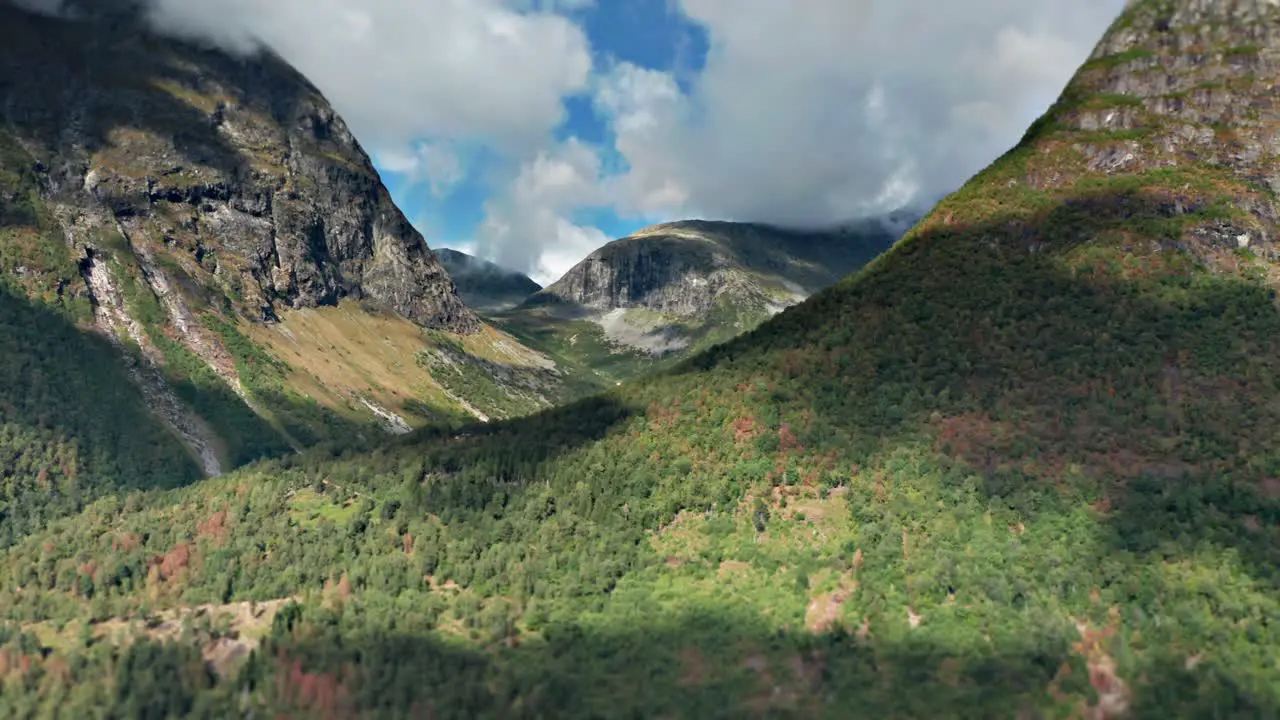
(1022, 465)
(483, 285)
(671, 290)
(213, 219)
(236, 171)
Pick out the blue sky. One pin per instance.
(647, 33)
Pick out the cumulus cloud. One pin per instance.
(492, 71)
(817, 111)
(804, 113)
(399, 70)
(437, 163)
(529, 225)
(814, 112)
(418, 79)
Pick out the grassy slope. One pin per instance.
(577, 344)
(974, 480)
(344, 354)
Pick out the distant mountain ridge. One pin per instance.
(671, 289)
(685, 267)
(484, 285)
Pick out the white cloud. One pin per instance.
(645, 110)
(419, 80)
(805, 112)
(402, 70)
(437, 163)
(556, 6)
(816, 111)
(528, 226)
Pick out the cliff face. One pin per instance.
(1177, 102)
(684, 268)
(661, 272)
(234, 172)
(208, 215)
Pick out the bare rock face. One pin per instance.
(1178, 88)
(234, 173)
(685, 268)
(672, 289)
(664, 273)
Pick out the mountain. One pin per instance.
(1021, 465)
(673, 289)
(483, 285)
(200, 266)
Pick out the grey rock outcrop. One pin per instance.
(1188, 88)
(684, 268)
(678, 274)
(239, 164)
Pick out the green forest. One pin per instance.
(1025, 483)
(1021, 465)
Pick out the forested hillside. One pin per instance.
(1022, 465)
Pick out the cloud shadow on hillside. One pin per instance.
(1018, 340)
(73, 417)
(1055, 370)
(696, 665)
(526, 441)
(78, 427)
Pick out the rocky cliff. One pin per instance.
(234, 169)
(684, 268)
(213, 218)
(1174, 115)
(484, 285)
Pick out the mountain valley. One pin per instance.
(483, 285)
(1021, 464)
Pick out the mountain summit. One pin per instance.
(236, 171)
(670, 290)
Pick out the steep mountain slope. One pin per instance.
(1022, 465)
(673, 289)
(200, 211)
(483, 285)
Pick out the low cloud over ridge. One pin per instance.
(814, 111)
(811, 113)
(805, 112)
